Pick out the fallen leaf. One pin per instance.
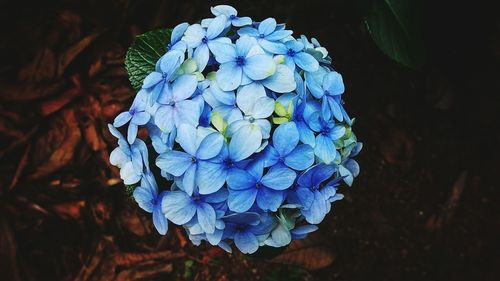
(302, 254)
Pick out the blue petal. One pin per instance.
(269, 199)
(144, 198)
(223, 10)
(249, 31)
(223, 52)
(270, 156)
(184, 87)
(352, 166)
(193, 35)
(164, 118)
(122, 119)
(246, 242)
(333, 83)
(171, 61)
(281, 236)
(210, 177)
(247, 96)
(217, 197)
(278, 35)
(301, 158)
(178, 207)
(344, 172)
(313, 84)
(178, 31)
(250, 218)
(189, 179)
(267, 26)
(174, 162)
(128, 174)
(276, 48)
(335, 108)
(244, 44)
(318, 210)
(324, 149)
(244, 142)
(229, 76)
(304, 229)
(216, 26)
(306, 61)
(263, 107)
(201, 55)
(238, 179)
(285, 138)
(118, 157)
(152, 79)
(188, 112)
(206, 217)
(210, 146)
(279, 178)
(294, 45)
(322, 172)
(186, 137)
(337, 132)
(241, 200)
(306, 134)
(141, 118)
(259, 67)
(305, 196)
(282, 81)
(241, 21)
(159, 220)
(131, 133)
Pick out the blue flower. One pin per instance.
(328, 133)
(268, 34)
(131, 159)
(137, 116)
(165, 69)
(199, 145)
(146, 195)
(242, 63)
(249, 185)
(205, 40)
(231, 14)
(327, 86)
(175, 108)
(245, 228)
(293, 51)
(312, 194)
(180, 208)
(286, 150)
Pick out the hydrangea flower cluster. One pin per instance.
(250, 130)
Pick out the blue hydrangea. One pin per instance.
(250, 133)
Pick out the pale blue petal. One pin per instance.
(270, 156)
(279, 35)
(306, 61)
(171, 61)
(304, 229)
(267, 26)
(186, 137)
(337, 132)
(122, 119)
(174, 162)
(344, 172)
(129, 175)
(259, 67)
(244, 142)
(282, 81)
(335, 108)
(215, 237)
(206, 217)
(217, 197)
(159, 220)
(281, 236)
(193, 35)
(164, 118)
(321, 173)
(306, 134)
(279, 178)
(223, 52)
(178, 31)
(318, 210)
(249, 31)
(263, 107)
(210, 146)
(201, 55)
(238, 179)
(235, 126)
(241, 200)
(244, 44)
(352, 166)
(144, 198)
(246, 242)
(326, 113)
(333, 83)
(305, 196)
(210, 177)
(118, 157)
(178, 207)
(301, 158)
(324, 149)
(247, 96)
(131, 133)
(186, 111)
(152, 79)
(223, 10)
(229, 76)
(269, 199)
(141, 118)
(276, 48)
(313, 85)
(285, 138)
(241, 21)
(189, 179)
(216, 26)
(265, 129)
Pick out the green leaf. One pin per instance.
(395, 26)
(143, 54)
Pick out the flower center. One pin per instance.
(193, 159)
(241, 227)
(232, 17)
(240, 60)
(171, 103)
(290, 53)
(132, 111)
(228, 163)
(251, 119)
(262, 35)
(204, 40)
(258, 185)
(325, 131)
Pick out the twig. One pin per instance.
(20, 168)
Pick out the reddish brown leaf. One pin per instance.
(307, 256)
(69, 210)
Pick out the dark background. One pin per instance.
(425, 206)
